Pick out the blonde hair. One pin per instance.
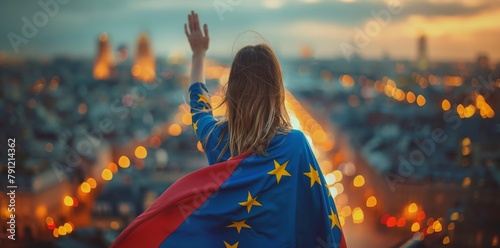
(255, 102)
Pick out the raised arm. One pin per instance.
(198, 41)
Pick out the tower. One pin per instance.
(144, 63)
(104, 62)
(422, 60)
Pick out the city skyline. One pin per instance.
(455, 30)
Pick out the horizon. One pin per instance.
(455, 30)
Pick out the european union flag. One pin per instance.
(278, 200)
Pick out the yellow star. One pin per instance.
(333, 218)
(239, 224)
(250, 202)
(195, 126)
(204, 99)
(279, 170)
(231, 246)
(314, 175)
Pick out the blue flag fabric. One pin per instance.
(278, 200)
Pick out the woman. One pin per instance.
(264, 187)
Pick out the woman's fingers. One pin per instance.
(205, 29)
(191, 22)
(196, 22)
(186, 30)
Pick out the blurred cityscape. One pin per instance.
(409, 148)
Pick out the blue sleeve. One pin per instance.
(203, 120)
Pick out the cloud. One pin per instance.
(286, 23)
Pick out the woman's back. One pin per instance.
(267, 190)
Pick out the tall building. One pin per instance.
(422, 60)
(104, 61)
(144, 64)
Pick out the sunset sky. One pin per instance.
(456, 29)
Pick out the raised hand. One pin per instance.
(197, 39)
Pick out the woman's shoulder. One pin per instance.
(293, 136)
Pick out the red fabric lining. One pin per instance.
(179, 201)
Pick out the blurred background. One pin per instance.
(399, 100)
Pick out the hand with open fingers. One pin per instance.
(197, 39)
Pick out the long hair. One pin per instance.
(255, 101)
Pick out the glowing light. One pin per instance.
(391, 222)
(494, 241)
(466, 141)
(371, 201)
(415, 227)
(359, 181)
(51, 226)
(421, 100)
(155, 141)
(49, 221)
(199, 146)
(446, 240)
(85, 187)
(347, 81)
(466, 182)
(399, 95)
(41, 211)
(175, 129)
(295, 122)
(452, 81)
(401, 222)
(114, 225)
(319, 136)
(445, 104)
(384, 219)
(338, 175)
(357, 215)
(412, 208)
(124, 162)
(437, 226)
(68, 201)
(339, 187)
(410, 97)
(75, 202)
(421, 215)
(112, 167)
(92, 182)
(330, 179)
(349, 169)
(68, 227)
(346, 211)
(107, 174)
(82, 108)
(469, 111)
(187, 120)
(141, 152)
(465, 150)
(333, 191)
(144, 68)
(460, 110)
(61, 230)
(55, 233)
(342, 220)
(430, 221)
(451, 226)
(104, 60)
